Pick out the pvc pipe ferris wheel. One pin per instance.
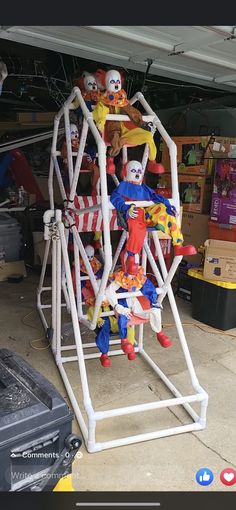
(100, 215)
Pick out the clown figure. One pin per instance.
(161, 215)
(144, 307)
(89, 90)
(137, 132)
(88, 160)
(97, 268)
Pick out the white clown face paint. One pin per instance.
(113, 81)
(90, 252)
(74, 133)
(90, 83)
(134, 172)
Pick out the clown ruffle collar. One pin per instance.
(115, 98)
(129, 282)
(91, 95)
(94, 263)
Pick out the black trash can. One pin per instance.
(37, 446)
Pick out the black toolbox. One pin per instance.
(36, 443)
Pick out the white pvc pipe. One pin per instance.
(68, 143)
(79, 349)
(58, 301)
(122, 411)
(78, 279)
(51, 168)
(59, 180)
(54, 300)
(74, 402)
(89, 270)
(171, 146)
(178, 323)
(169, 384)
(118, 250)
(139, 438)
(79, 160)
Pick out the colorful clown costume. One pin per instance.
(161, 216)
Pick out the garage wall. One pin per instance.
(224, 119)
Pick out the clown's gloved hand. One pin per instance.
(132, 212)
(122, 310)
(88, 157)
(170, 209)
(100, 322)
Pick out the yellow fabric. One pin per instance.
(97, 235)
(99, 115)
(165, 222)
(198, 273)
(64, 485)
(104, 308)
(136, 136)
(131, 334)
(139, 136)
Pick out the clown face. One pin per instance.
(90, 83)
(113, 81)
(90, 252)
(74, 134)
(134, 172)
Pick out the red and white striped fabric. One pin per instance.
(93, 222)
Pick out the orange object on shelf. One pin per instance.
(221, 232)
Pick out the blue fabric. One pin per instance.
(122, 324)
(5, 162)
(91, 151)
(103, 336)
(128, 190)
(118, 201)
(149, 291)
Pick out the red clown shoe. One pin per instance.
(105, 361)
(126, 346)
(155, 168)
(163, 339)
(184, 250)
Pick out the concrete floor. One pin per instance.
(167, 464)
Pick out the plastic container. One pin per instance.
(10, 237)
(221, 232)
(36, 444)
(213, 303)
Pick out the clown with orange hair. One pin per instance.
(114, 100)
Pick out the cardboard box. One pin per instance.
(195, 191)
(195, 231)
(190, 154)
(220, 261)
(221, 147)
(223, 204)
(9, 268)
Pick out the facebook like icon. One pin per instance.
(204, 476)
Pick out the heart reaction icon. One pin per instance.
(228, 476)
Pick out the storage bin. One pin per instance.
(213, 303)
(221, 232)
